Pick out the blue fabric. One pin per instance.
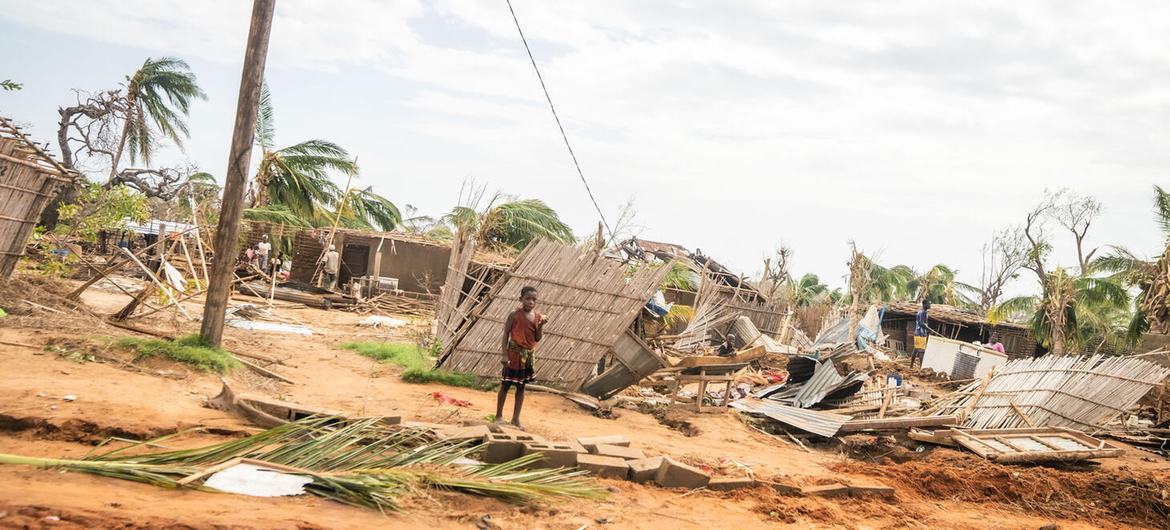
(920, 327)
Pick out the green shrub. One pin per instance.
(419, 367)
(190, 350)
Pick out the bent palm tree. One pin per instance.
(159, 93)
(294, 182)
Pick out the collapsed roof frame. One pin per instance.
(591, 301)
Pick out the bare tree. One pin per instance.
(1076, 214)
(1003, 257)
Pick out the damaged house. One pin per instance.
(957, 324)
(393, 261)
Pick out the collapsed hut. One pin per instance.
(591, 302)
(29, 179)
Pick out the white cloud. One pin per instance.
(911, 126)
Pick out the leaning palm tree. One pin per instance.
(158, 99)
(294, 182)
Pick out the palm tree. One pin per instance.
(1151, 277)
(1081, 310)
(513, 224)
(293, 182)
(158, 96)
(940, 287)
(808, 290)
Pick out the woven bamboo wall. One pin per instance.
(590, 302)
(28, 181)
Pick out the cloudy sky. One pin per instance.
(915, 128)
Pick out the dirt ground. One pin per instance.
(936, 487)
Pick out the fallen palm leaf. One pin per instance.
(363, 463)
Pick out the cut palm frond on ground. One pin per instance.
(363, 463)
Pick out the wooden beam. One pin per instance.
(236, 181)
(894, 424)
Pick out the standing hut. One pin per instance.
(29, 179)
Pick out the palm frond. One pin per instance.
(515, 224)
(265, 124)
(361, 463)
(1162, 209)
(276, 214)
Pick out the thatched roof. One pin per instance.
(947, 313)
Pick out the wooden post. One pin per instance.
(236, 181)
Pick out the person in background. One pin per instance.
(263, 249)
(332, 261)
(994, 344)
(522, 332)
(283, 266)
(921, 332)
(727, 348)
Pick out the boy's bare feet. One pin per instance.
(517, 425)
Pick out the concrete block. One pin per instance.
(831, 490)
(462, 434)
(500, 448)
(644, 470)
(861, 490)
(625, 453)
(728, 484)
(603, 466)
(589, 442)
(556, 454)
(675, 474)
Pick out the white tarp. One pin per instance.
(248, 479)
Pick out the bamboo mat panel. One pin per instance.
(590, 301)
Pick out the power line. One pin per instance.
(558, 119)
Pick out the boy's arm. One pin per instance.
(504, 347)
(540, 320)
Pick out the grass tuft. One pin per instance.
(189, 350)
(419, 367)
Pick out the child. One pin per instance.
(522, 331)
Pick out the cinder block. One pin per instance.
(590, 442)
(500, 448)
(861, 490)
(625, 453)
(728, 484)
(831, 490)
(462, 434)
(603, 466)
(674, 474)
(644, 470)
(556, 454)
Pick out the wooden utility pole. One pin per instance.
(236, 182)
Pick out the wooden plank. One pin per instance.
(897, 424)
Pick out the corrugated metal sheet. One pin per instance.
(824, 379)
(822, 423)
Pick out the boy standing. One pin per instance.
(522, 331)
